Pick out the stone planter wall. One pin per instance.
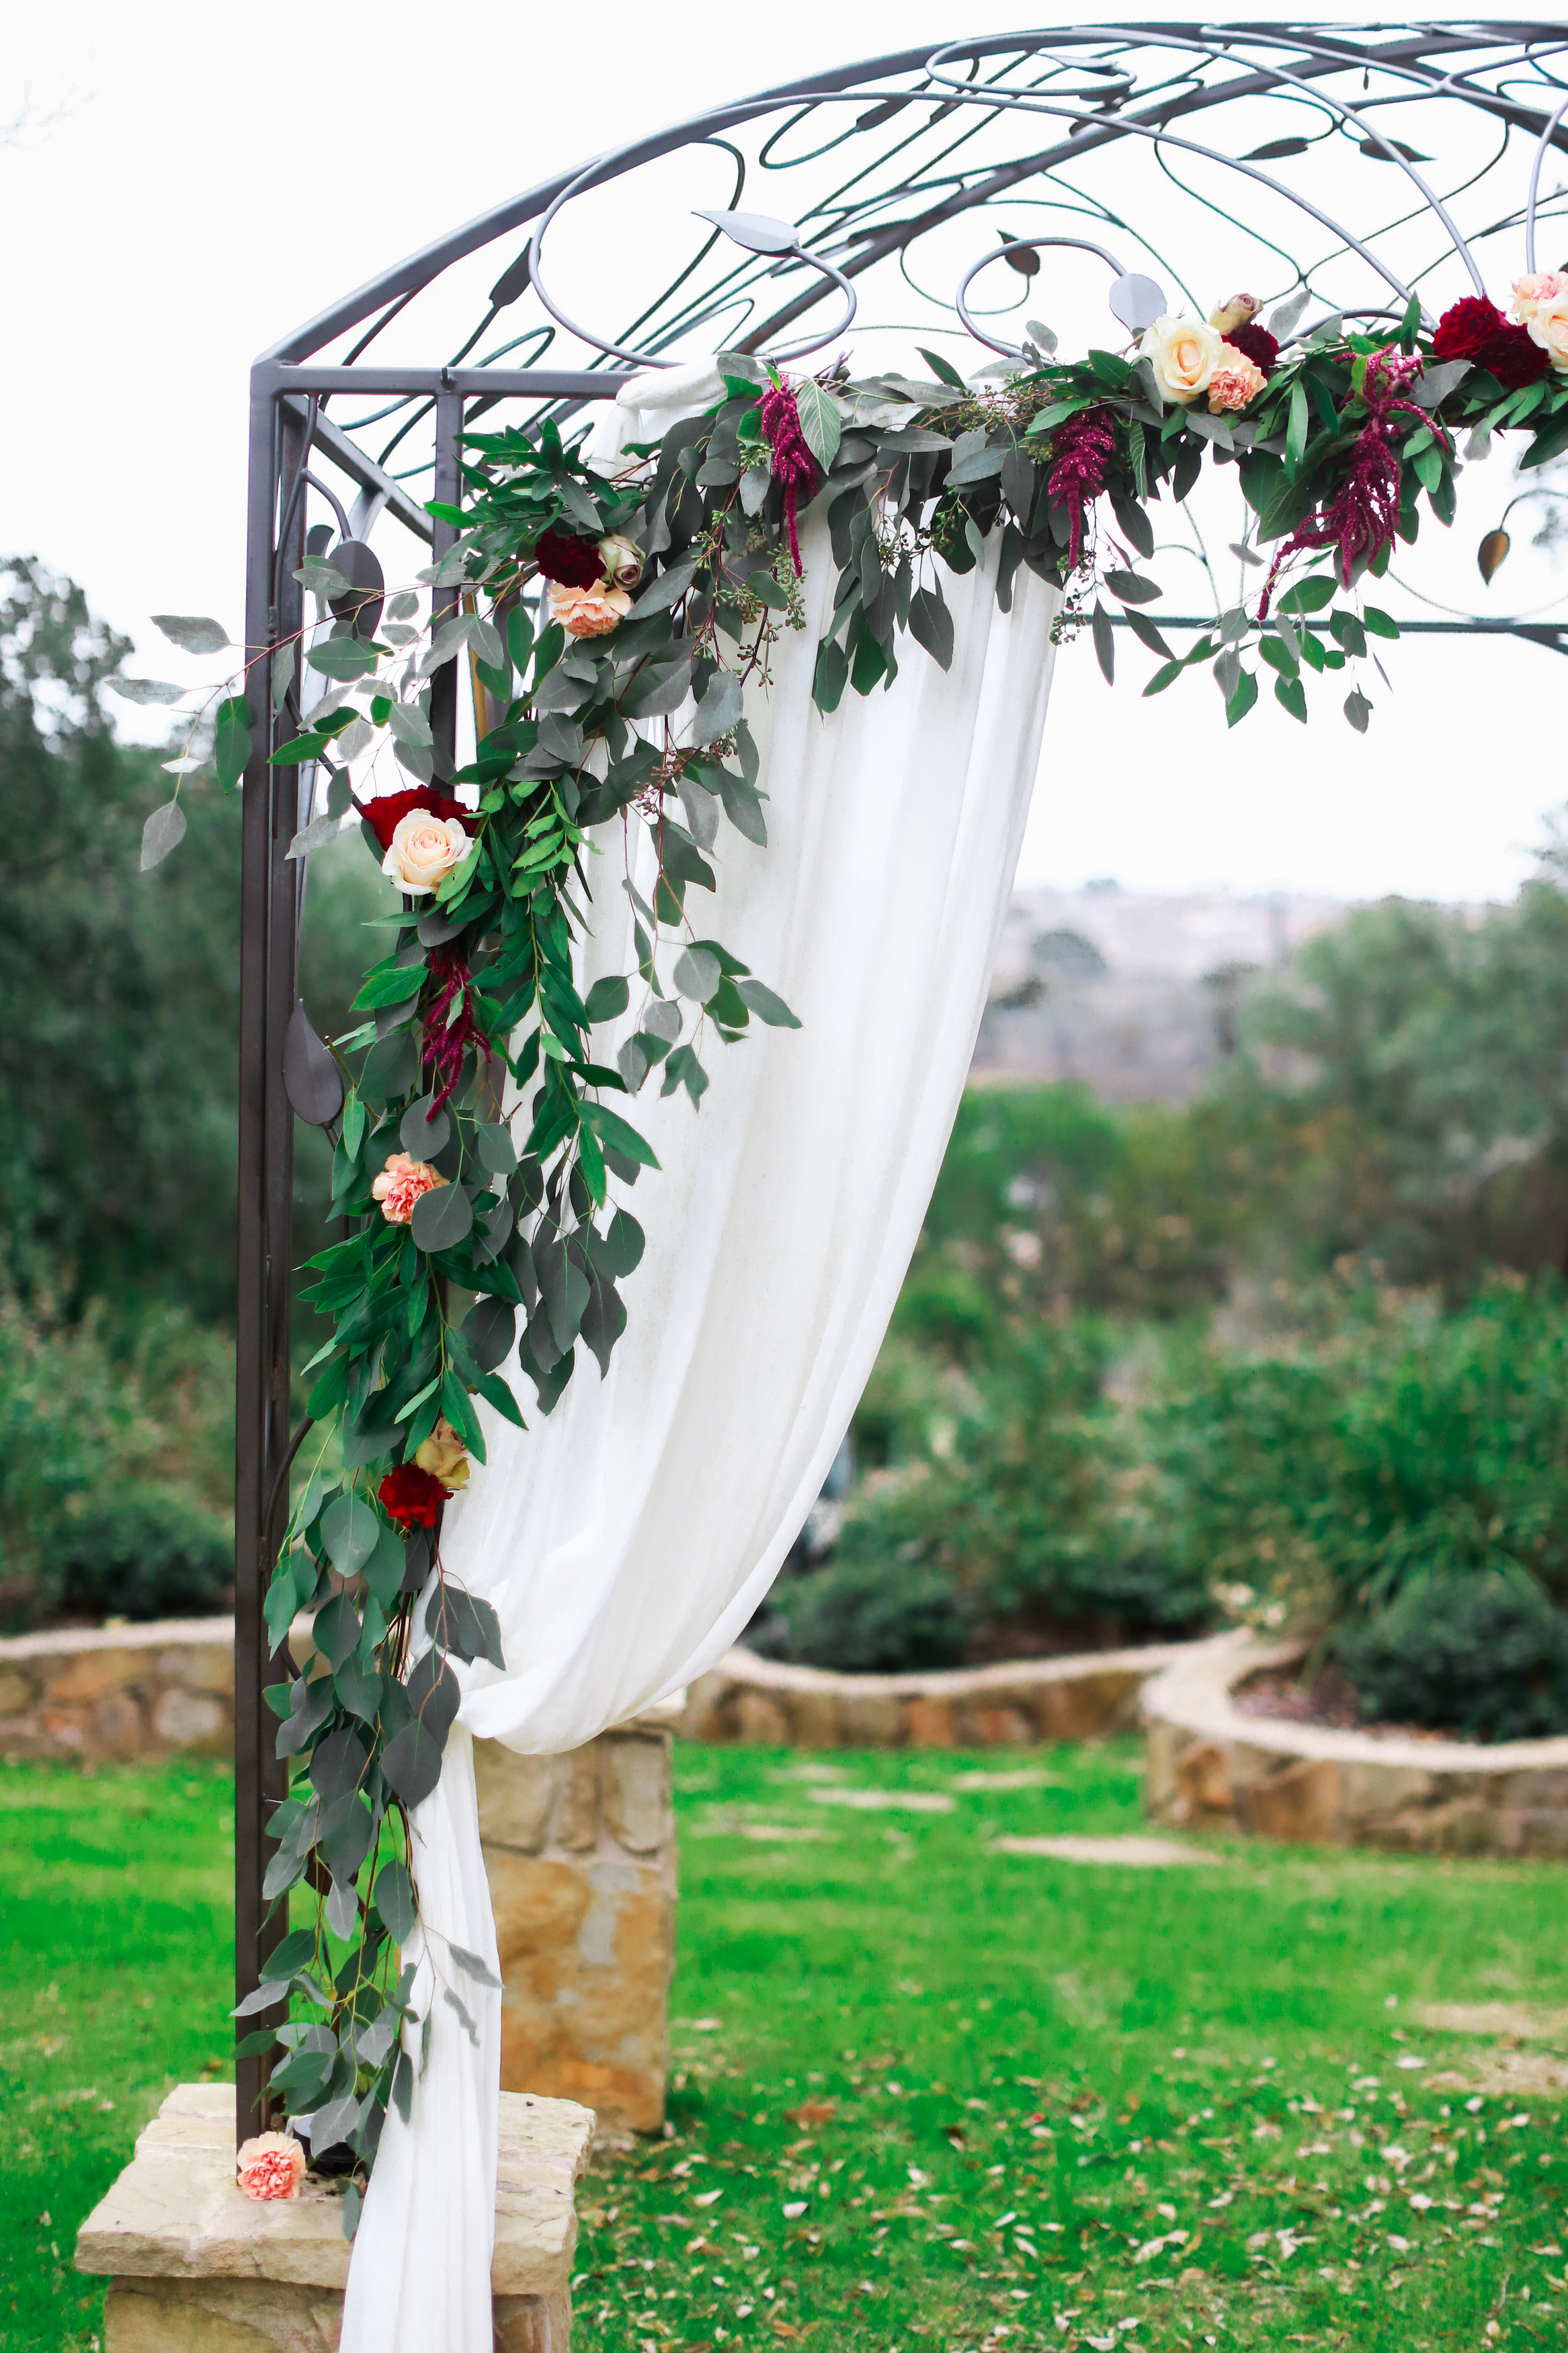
(165, 1689)
(770, 1705)
(1211, 1766)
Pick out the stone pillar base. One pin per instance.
(580, 1849)
(195, 2266)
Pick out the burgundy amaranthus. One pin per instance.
(442, 1043)
(1084, 446)
(1362, 515)
(794, 468)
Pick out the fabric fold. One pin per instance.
(627, 1539)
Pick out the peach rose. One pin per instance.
(422, 848)
(270, 2165)
(588, 612)
(400, 1185)
(1236, 380)
(622, 559)
(1537, 292)
(1184, 353)
(1239, 311)
(445, 1456)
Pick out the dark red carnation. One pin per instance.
(573, 563)
(1513, 356)
(1466, 328)
(384, 814)
(411, 1497)
(1262, 348)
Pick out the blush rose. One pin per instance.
(622, 559)
(400, 1185)
(1184, 353)
(422, 849)
(270, 2165)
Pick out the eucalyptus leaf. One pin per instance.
(163, 831)
(194, 633)
(349, 1530)
(442, 1218)
(144, 690)
(697, 974)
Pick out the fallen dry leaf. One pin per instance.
(813, 2112)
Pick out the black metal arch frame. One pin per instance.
(877, 161)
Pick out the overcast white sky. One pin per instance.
(188, 181)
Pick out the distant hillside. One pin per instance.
(1132, 991)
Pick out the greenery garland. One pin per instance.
(662, 588)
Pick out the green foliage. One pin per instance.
(115, 1465)
(868, 1616)
(1483, 1656)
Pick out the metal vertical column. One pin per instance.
(445, 602)
(272, 606)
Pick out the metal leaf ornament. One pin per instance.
(755, 232)
(312, 1080)
(1491, 551)
(1137, 301)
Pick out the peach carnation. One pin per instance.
(400, 1185)
(588, 612)
(1236, 380)
(422, 849)
(270, 2165)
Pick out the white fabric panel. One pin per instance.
(625, 1540)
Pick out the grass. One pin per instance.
(926, 2093)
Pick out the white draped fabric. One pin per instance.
(625, 1540)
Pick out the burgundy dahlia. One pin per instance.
(572, 562)
(411, 1497)
(1466, 328)
(1513, 356)
(1262, 348)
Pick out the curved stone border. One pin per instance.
(1210, 1767)
(1026, 1700)
(162, 1689)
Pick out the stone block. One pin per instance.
(760, 1722)
(1542, 1829)
(66, 1727)
(1086, 1707)
(814, 1719)
(200, 1666)
(994, 1727)
(636, 1794)
(118, 1729)
(574, 1806)
(1162, 1744)
(586, 1949)
(871, 1719)
(17, 1692)
(515, 1794)
(196, 2267)
(88, 1675)
(929, 1723)
(1203, 1784)
(1299, 1804)
(710, 1708)
(1370, 1789)
(192, 1720)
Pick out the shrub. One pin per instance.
(869, 1617)
(153, 1552)
(1486, 1656)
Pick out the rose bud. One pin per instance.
(1239, 311)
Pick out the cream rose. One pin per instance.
(588, 612)
(1183, 353)
(1237, 312)
(1537, 292)
(1548, 326)
(1236, 380)
(622, 559)
(445, 1456)
(422, 848)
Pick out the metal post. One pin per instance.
(444, 602)
(273, 609)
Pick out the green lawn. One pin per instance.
(926, 2093)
